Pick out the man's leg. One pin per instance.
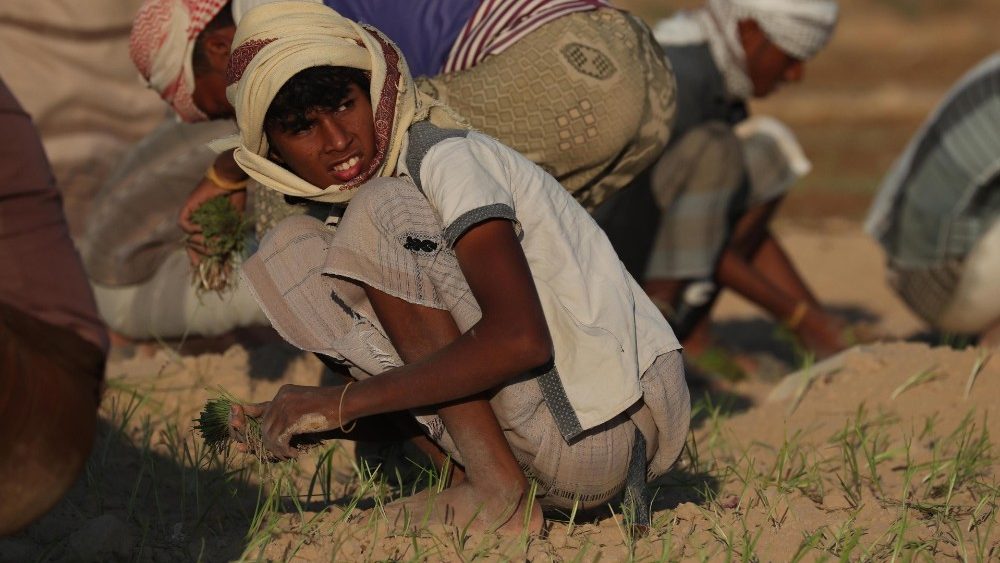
(756, 267)
(695, 183)
(494, 493)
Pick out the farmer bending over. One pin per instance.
(715, 231)
(462, 283)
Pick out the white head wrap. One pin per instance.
(162, 43)
(276, 41)
(800, 28)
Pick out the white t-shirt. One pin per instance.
(605, 330)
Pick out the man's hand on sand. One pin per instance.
(295, 410)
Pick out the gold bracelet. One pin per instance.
(340, 412)
(228, 185)
(795, 319)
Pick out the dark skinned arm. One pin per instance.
(227, 169)
(443, 365)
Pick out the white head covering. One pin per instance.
(800, 28)
(276, 41)
(162, 45)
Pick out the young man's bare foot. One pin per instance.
(822, 333)
(467, 506)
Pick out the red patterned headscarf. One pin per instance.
(162, 44)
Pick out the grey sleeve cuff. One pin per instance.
(473, 217)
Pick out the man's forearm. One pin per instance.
(226, 167)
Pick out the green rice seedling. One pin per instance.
(323, 474)
(810, 542)
(572, 516)
(957, 460)
(850, 483)
(213, 424)
(845, 539)
(916, 379)
(973, 456)
(930, 422)
(628, 539)
(223, 228)
(977, 367)
(582, 554)
(662, 532)
(982, 524)
(808, 361)
(796, 468)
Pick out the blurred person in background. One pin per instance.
(723, 176)
(96, 109)
(578, 87)
(937, 213)
(52, 342)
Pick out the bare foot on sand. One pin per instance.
(822, 333)
(467, 506)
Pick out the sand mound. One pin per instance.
(878, 452)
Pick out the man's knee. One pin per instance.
(707, 160)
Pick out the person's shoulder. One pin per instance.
(375, 193)
(470, 149)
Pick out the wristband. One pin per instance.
(230, 186)
(795, 319)
(340, 411)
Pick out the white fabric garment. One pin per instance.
(878, 221)
(800, 28)
(975, 307)
(605, 330)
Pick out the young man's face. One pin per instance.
(767, 65)
(334, 146)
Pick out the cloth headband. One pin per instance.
(276, 41)
(800, 28)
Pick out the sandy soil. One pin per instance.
(885, 451)
(861, 455)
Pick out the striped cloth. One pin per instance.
(498, 24)
(162, 43)
(941, 196)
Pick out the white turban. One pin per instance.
(800, 28)
(162, 44)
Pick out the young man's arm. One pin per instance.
(227, 171)
(510, 339)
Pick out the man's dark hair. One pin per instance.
(222, 20)
(315, 88)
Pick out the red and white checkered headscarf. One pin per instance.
(162, 44)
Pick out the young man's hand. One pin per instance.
(227, 169)
(296, 409)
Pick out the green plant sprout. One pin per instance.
(222, 227)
